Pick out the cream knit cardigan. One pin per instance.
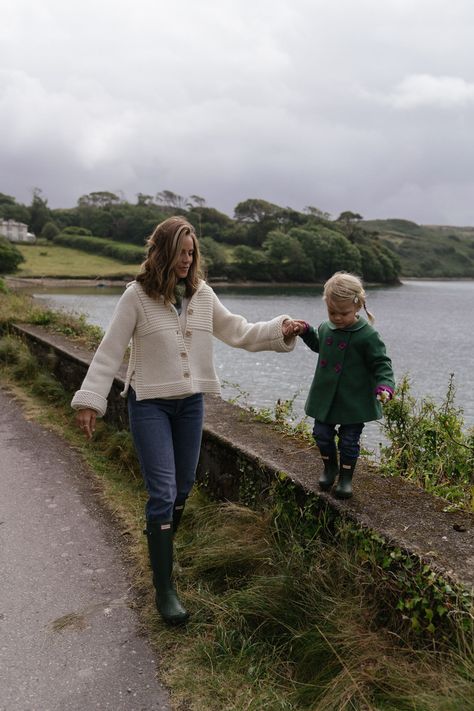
(165, 361)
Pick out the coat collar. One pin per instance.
(360, 323)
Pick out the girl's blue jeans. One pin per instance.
(348, 439)
(167, 437)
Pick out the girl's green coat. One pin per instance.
(352, 363)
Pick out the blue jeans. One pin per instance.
(348, 439)
(167, 437)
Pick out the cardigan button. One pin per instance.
(190, 311)
(188, 333)
(183, 354)
(186, 375)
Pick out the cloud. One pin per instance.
(339, 105)
(420, 90)
(88, 125)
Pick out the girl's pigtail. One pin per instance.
(370, 315)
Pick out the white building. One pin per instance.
(16, 231)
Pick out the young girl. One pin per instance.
(353, 378)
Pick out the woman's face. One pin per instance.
(185, 258)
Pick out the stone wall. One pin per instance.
(241, 459)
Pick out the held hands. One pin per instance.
(300, 327)
(293, 327)
(85, 420)
(287, 328)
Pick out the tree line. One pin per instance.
(261, 242)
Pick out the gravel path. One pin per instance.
(68, 639)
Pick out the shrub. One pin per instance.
(97, 245)
(49, 231)
(428, 444)
(77, 231)
(10, 256)
(46, 386)
(214, 255)
(26, 365)
(9, 350)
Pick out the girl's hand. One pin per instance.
(299, 327)
(85, 420)
(383, 394)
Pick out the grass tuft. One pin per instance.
(9, 350)
(118, 445)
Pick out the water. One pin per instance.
(427, 326)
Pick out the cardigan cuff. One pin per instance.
(283, 346)
(84, 399)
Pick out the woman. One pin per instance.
(170, 314)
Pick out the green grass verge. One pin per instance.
(280, 620)
(48, 260)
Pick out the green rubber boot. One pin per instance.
(327, 478)
(160, 549)
(344, 485)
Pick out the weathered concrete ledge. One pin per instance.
(404, 515)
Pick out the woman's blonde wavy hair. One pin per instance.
(157, 273)
(343, 286)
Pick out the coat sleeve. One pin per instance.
(380, 363)
(109, 356)
(236, 331)
(311, 338)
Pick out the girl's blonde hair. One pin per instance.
(343, 286)
(157, 273)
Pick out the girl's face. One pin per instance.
(185, 258)
(342, 312)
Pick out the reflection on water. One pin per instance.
(428, 328)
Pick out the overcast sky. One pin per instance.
(363, 105)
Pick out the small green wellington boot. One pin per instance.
(327, 478)
(344, 485)
(160, 549)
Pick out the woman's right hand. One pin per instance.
(85, 420)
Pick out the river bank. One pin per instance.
(51, 282)
(14, 282)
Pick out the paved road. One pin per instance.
(68, 639)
